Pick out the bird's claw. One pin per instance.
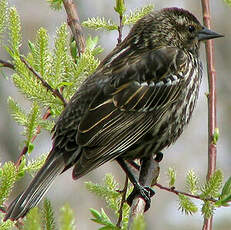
(144, 192)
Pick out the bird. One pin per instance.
(136, 103)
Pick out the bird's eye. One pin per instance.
(191, 29)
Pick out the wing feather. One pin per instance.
(129, 107)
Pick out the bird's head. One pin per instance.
(170, 27)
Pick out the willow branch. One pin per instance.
(55, 92)
(74, 23)
(212, 122)
(150, 178)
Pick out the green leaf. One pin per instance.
(186, 205)
(106, 191)
(139, 223)
(227, 188)
(172, 177)
(133, 17)
(55, 4)
(103, 219)
(30, 147)
(67, 220)
(95, 213)
(192, 182)
(8, 174)
(45, 124)
(3, 16)
(99, 24)
(40, 53)
(92, 45)
(215, 136)
(31, 46)
(32, 123)
(48, 216)
(212, 187)
(14, 31)
(58, 67)
(86, 65)
(7, 225)
(17, 112)
(101, 190)
(228, 2)
(33, 220)
(73, 48)
(207, 209)
(120, 7)
(225, 196)
(33, 89)
(35, 165)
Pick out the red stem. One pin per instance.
(173, 190)
(212, 122)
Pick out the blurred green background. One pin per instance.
(189, 152)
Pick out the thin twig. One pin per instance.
(212, 122)
(74, 23)
(123, 200)
(23, 152)
(173, 190)
(120, 29)
(6, 64)
(55, 92)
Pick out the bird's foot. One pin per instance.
(144, 192)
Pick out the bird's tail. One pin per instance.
(37, 188)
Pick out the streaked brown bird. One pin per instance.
(136, 103)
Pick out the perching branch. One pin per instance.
(148, 179)
(212, 122)
(74, 23)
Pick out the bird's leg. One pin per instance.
(134, 164)
(147, 172)
(158, 158)
(141, 189)
(128, 171)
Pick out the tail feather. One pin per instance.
(37, 188)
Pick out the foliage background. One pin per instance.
(190, 151)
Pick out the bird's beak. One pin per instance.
(206, 34)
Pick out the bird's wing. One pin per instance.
(137, 97)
